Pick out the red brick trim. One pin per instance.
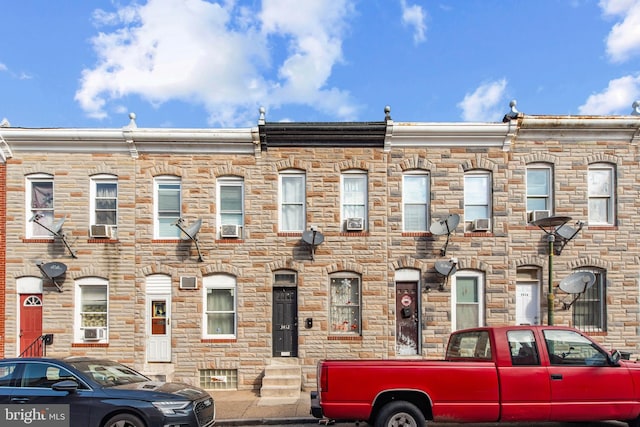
(344, 338)
(86, 345)
(218, 341)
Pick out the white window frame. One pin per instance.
(93, 194)
(348, 207)
(157, 229)
(480, 284)
(413, 197)
(336, 301)
(297, 205)
(80, 285)
(548, 198)
(238, 215)
(470, 196)
(606, 193)
(33, 230)
(219, 281)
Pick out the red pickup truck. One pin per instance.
(491, 374)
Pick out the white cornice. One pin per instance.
(578, 128)
(130, 140)
(462, 134)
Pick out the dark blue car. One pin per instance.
(86, 392)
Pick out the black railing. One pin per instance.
(38, 348)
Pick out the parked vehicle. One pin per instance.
(86, 392)
(492, 374)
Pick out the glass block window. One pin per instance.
(219, 379)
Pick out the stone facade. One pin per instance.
(382, 256)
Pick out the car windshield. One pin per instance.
(108, 373)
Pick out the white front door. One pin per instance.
(158, 315)
(527, 304)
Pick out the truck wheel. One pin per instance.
(124, 420)
(634, 423)
(400, 414)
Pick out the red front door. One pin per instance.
(30, 319)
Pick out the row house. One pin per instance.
(205, 255)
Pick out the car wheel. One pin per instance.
(124, 420)
(634, 423)
(399, 413)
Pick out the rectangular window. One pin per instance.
(354, 201)
(467, 310)
(168, 203)
(589, 310)
(292, 201)
(345, 305)
(231, 203)
(539, 188)
(415, 201)
(104, 202)
(477, 196)
(92, 309)
(219, 306)
(524, 350)
(39, 194)
(601, 195)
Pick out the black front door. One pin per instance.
(285, 322)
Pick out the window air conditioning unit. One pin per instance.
(101, 231)
(229, 231)
(536, 215)
(480, 224)
(355, 224)
(94, 334)
(188, 282)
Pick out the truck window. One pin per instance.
(522, 345)
(571, 348)
(469, 345)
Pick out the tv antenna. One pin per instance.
(313, 238)
(445, 226)
(52, 270)
(55, 230)
(576, 284)
(191, 233)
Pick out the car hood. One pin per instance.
(183, 390)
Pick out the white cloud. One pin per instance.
(623, 42)
(483, 105)
(3, 67)
(414, 16)
(219, 55)
(617, 98)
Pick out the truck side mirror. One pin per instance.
(614, 358)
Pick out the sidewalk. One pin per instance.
(246, 407)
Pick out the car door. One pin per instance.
(9, 376)
(584, 386)
(35, 393)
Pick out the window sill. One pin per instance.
(219, 340)
(89, 345)
(354, 233)
(230, 241)
(416, 234)
(101, 240)
(478, 234)
(38, 240)
(173, 241)
(344, 338)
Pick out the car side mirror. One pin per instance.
(614, 357)
(69, 386)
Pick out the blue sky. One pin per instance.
(199, 64)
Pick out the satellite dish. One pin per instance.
(446, 268)
(313, 238)
(54, 269)
(445, 226)
(577, 282)
(192, 231)
(57, 226)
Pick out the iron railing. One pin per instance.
(38, 348)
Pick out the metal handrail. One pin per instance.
(38, 348)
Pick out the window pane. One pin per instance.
(599, 182)
(536, 204)
(537, 182)
(292, 189)
(169, 198)
(598, 211)
(345, 305)
(415, 189)
(220, 323)
(466, 316)
(475, 212)
(220, 299)
(476, 190)
(42, 195)
(466, 290)
(231, 198)
(415, 218)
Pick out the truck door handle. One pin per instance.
(556, 376)
(19, 399)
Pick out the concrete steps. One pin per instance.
(282, 381)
